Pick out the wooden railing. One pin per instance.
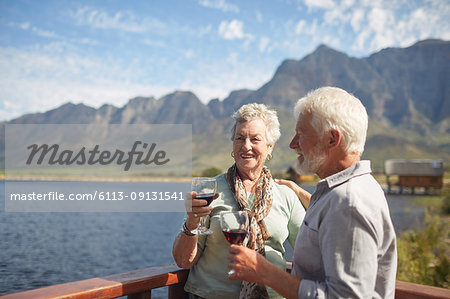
(135, 284)
(140, 283)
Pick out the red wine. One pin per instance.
(208, 197)
(235, 236)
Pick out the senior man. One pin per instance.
(346, 246)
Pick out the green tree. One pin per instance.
(211, 172)
(423, 256)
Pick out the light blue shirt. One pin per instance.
(346, 246)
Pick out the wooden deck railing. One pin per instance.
(135, 284)
(140, 283)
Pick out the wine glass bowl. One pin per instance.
(206, 188)
(234, 227)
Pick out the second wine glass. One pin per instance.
(234, 226)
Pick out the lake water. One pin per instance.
(41, 249)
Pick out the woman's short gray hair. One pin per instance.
(253, 111)
(334, 108)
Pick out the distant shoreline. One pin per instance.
(93, 178)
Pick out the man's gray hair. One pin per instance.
(334, 108)
(253, 111)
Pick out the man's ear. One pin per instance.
(334, 138)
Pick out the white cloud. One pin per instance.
(188, 54)
(376, 24)
(324, 4)
(44, 33)
(124, 21)
(155, 43)
(23, 26)
(263, 43)
(259, 16)
(231, 30)
(302, 27)
(299, 27)
(38, 31)
(394, 27)
(42, 79)
(234, 73)
(204, 31)
(233, 58)
(222, 5)
(357, 19)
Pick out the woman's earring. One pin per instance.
(269, 157)
(232, 154)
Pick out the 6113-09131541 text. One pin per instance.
(98, 195)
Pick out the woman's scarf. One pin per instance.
(258, 232)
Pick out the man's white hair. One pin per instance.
(334, 108)
(253, 111)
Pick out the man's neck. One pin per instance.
(336, 164)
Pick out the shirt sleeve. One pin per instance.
(348, 245)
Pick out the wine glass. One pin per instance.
(206, 188)
(234, 227)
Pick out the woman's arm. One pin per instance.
(184, 250)
(302, 194)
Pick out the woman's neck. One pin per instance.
(250, 180)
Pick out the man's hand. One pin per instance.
(253, 267)
(246, 263)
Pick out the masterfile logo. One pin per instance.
(97, 167)
(95, 156)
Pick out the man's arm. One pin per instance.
(253, 267)
(349, 253)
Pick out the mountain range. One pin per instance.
(406, 92)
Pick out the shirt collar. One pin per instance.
(357, 169)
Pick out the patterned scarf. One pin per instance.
(258, 233)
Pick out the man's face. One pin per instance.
(308, 145)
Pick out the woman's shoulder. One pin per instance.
(223, 187)
(284, 190)
(220, 177)
(286, 200)
(221, 182)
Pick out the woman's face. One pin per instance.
(250, 146)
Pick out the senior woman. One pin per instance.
(276, 213)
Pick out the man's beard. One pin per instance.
(311, 163)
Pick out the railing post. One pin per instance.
(142, 295)
(176, 291)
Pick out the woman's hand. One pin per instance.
(302, 194)
(196, 208)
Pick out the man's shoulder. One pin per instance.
(356, 190)
(362, 195)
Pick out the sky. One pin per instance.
(109, 51)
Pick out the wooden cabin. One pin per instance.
(427, 174)
(293, 175)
